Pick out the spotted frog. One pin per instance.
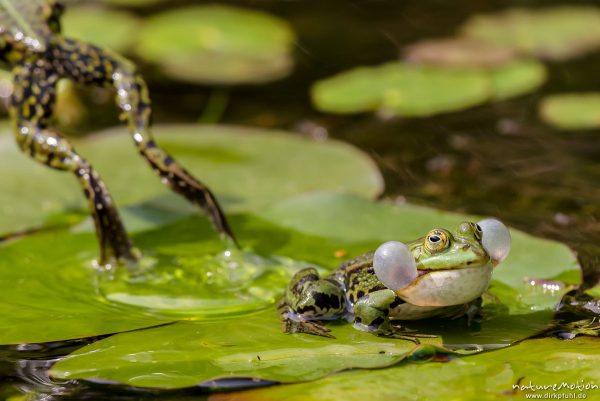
(442, 274)
(38, 54)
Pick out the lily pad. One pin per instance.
(458, 52)
(218, 44)
(509, 373)
(252, 346)
(401, 89)
(517, 78)
(88, 23)
(317, 228)
(264, 166)
(555, 33)
(571, 111)
(132, 3)
(413, 90)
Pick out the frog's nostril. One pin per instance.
(466, 247)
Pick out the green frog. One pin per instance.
(34, 49)
(442, 274)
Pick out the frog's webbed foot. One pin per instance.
(292, 326)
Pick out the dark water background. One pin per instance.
(498, 159)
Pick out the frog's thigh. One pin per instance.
(371, 311)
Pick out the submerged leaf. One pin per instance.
(262, 167)
(571, 111)
(555, 33)
(218, 44)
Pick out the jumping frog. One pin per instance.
(442, 274)
(33, 48)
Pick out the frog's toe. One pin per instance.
(314, 328)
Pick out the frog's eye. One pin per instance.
(495, 239)
(436, 241)
(394, 265)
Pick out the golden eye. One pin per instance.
(436, 241)
(477, 230)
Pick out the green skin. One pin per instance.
(37, 69)
(354, 292)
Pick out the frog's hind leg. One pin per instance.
(310, 299)
(31, 107)
(91, 65)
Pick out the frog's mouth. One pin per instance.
(447, 287)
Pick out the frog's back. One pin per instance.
(358, 277)
(26, 22)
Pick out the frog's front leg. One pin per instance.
(31, 107)
(371, 313)
(308, 300)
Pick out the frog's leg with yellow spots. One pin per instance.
(32, 104)
(310, 299)
(91, 65)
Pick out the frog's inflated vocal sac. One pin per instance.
(33, 48)
(442, 274)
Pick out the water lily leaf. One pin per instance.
(252, 346)
(88, 23)
(503, 374)
(458, 52)
(517, 78)
(555, 33)
(571, 111)
(402, 89)
(132, 3)
(218, 44)
(319, 227)
(259, 169)
(412, 90)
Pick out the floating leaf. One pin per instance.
(313, 228)
(488, 376)
(218, 44)
(571, 111)
(555, 33)
(132, 3)
(402, 89)
(517, 78)
(252, 346)
(88, 23)
(262, 167)
(458, 52)
(420, 90)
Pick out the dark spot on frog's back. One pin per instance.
(326, 301)
(377, 322)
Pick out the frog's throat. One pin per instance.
(448, 287)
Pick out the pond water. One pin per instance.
(497, 159)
